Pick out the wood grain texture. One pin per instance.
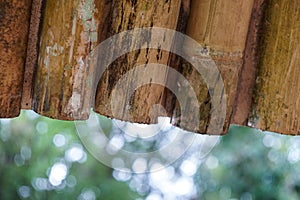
(70, 30)
(247, 76)
(276, 100)
(146, 102)
(14, 23)
(32, 53)
(221, 28)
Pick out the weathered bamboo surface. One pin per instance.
(31, 53)
(70, 30)
(254, 44)
(221, 29)
(144, 105)
(248, 73)
(14, 24)
(276, 105)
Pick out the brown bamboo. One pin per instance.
(276, 105)
(70, 30)
(221, 28)
(248, 73)
(146, 102)
(31, 54)
(14, 23)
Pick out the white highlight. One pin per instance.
(58, 173)
(75, 154)
(59, 140)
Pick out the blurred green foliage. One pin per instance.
(251, 165)
(246, 164)
(27, 153)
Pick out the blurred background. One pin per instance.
(41, 158)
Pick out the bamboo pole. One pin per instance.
(146, 102)
(14, 23)
(248, 73)
(220, 27)
(276, 105)
(70, 30)
(32, 53)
